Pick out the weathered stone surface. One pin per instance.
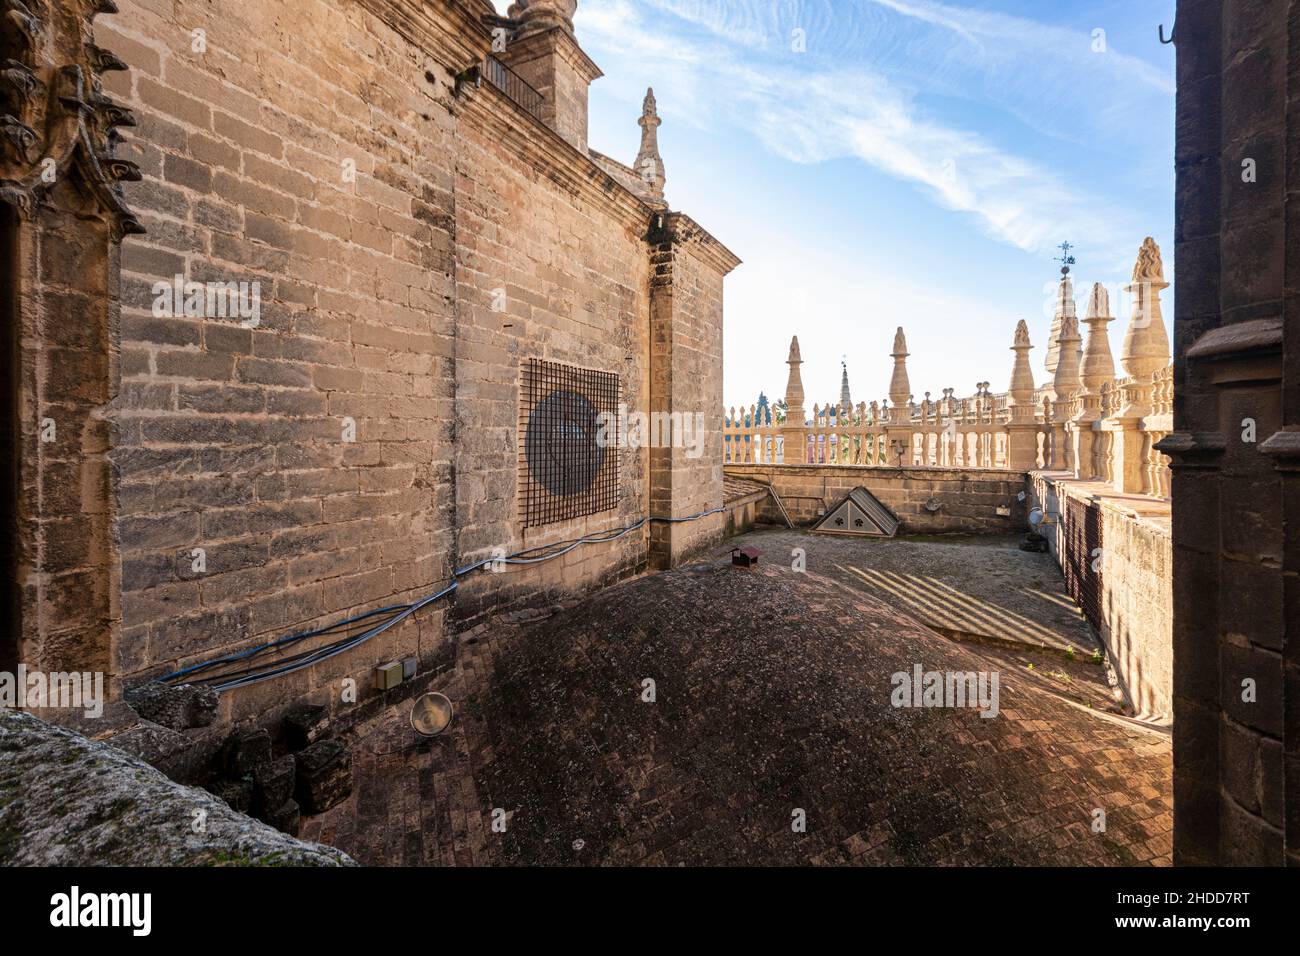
(1236, 503)
(237, 793)
(303, 725)
(324, 776)
(978, 587)
(163, 749)
(69, 801)
(246, 750)
(287, 817)
(782, 702)
(272, 786)
(180, 707)
(403, 279)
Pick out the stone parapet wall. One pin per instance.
(1116, 552)
(968, 501)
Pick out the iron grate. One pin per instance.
(564, 470)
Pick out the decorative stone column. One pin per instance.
(1022, 430)
(1145, 351)
(794, 434)
(898, 426)
(62, 219)
(1098, 368)
(1066, 384)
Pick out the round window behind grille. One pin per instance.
(560, 444)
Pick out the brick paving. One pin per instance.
(972, 587)
(772, 695)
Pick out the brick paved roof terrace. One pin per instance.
(772, 695)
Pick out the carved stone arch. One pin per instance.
(62, 219)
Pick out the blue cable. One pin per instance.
(400, 611)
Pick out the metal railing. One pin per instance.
(512, 85)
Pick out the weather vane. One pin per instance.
(1065, 259)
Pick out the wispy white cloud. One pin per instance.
(709, 59)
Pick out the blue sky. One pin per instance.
(915, 165)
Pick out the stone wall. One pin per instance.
(686, 344)
(568, 268)
(1236, 440)
(968, 501)
(309, 457)
(415, 236)
(1126, 591)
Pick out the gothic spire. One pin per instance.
(649, 164)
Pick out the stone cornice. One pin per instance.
(1257, 336)
(440, 27)
(557, 39)
(1193, 449)
(459, 24)
(1284, 447)
(685, 230)
(519, 130)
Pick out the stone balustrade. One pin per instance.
(1085, 422)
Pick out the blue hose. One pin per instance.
(399, 612)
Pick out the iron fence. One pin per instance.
(512, 85)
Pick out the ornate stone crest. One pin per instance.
(55, 120)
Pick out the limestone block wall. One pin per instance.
(1236, 494)
(549, 271)
(968, 500)
(58, 361)
(277, 474)
(686, 370)
(413, 242)
(1126, 590)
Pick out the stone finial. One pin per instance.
(1022, 376)
(794, 387)
(1064, 307)
(1065, 380)
(900, 391)
(1098, 302)
(649, 164)
(900, 344)
(535, 16)
(1146, 341)
(1098, 366)
(1149, 264)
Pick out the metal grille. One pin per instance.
(1082, 536)
(567, 467)
(512, 85)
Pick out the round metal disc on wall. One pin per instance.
(431, 714)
